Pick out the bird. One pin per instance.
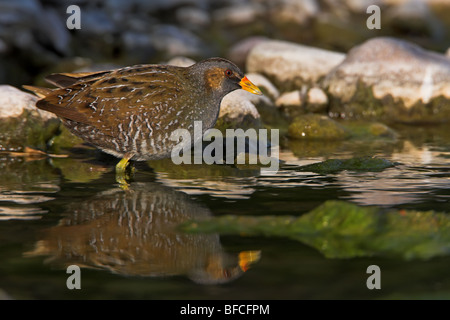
(130, 112)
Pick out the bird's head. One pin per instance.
(223, 76)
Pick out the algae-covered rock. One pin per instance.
(76, 170)
(313, 127)
(370, 130)
(391, 79)
(64, 140)
(339, 229)
(354, 164)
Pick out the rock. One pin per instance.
(315, 127)
(55, 30)
(145, 6)
(3, 47)
(13, 102)
(181, 62)
(290, 99)
(391, 79)
(21, 124)
(97, 22)
(316, 100)
(173, 41)
(370, 131)
(239, 14)
(360, 6)
(289, 65)
(138, 46)
(238, 110)
(265, 85)
(192, 17)
(447, 53)
(381, 130)
(291, 104)
(294, 11)
(414, 17)
(240, 50)
(365, 164)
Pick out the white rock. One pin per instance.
(240, 104)
(288, 99)
(291, 65)
(392, 67)
(181, 62)
(317, 96)
(262, 82)
(14, 101)
(238, 14)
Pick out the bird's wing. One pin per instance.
(107, 99)
(63, 80)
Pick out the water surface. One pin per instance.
(55, 212)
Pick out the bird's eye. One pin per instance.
(228, 73)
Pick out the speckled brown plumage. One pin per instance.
(131, 112)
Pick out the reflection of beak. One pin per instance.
(250, 87)
(247, 258)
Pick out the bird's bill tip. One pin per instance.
(248, 86)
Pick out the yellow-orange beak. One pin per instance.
(247, 258)
(248, 86)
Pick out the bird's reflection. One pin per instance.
(133, 232)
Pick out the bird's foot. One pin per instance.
(124, 172)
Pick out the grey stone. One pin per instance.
(193, 18)
(238, 14)
(97, 22)
(174, 41)
(293, 11)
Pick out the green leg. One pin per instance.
(121, 170)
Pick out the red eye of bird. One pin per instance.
(228, 73)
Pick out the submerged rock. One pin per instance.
(391, 79)
(354, 164)
(291, 65)
(340, 229)
(313, 126)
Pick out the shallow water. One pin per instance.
(56, 212)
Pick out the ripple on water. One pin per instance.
(25, 184)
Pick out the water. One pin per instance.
(55, 212)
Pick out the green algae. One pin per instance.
(339, 229)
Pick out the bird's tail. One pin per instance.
(39, 91)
